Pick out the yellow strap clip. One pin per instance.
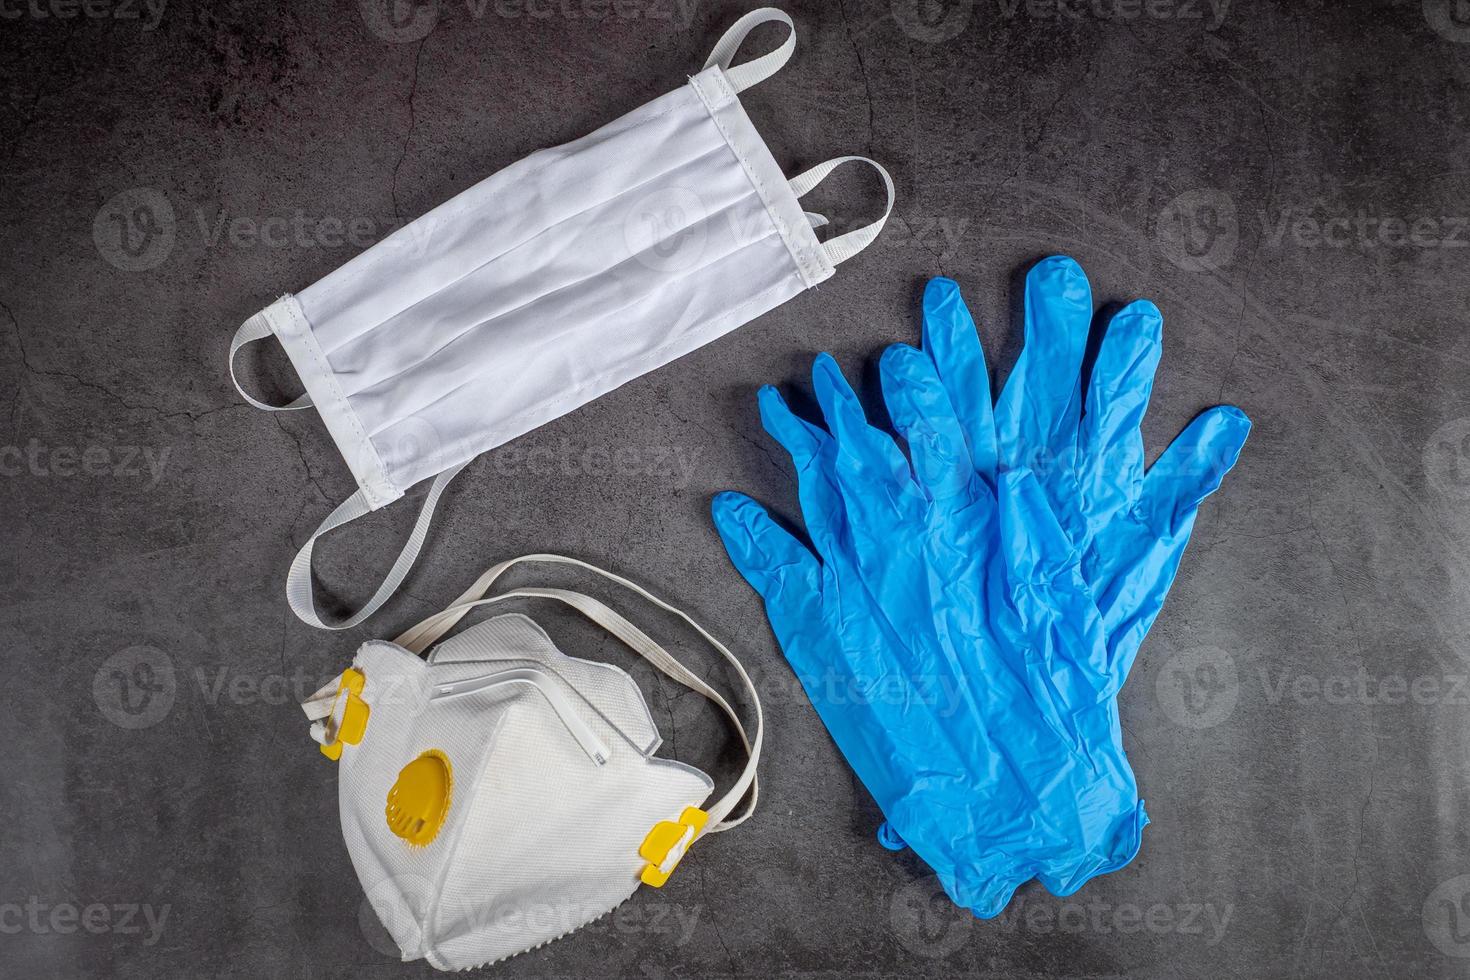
(667, 842)
(355, 713)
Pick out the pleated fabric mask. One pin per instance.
(546, 285)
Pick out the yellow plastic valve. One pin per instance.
(419, 800)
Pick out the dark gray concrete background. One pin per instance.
(1287, 180)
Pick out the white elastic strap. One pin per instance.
(420, 637)
(253, 329)
(325, 708)
(298, 579)
(321, 704)
(845, 246)
(742, 77)
(324, 729)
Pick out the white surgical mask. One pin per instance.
(500, 794)
(546, 285)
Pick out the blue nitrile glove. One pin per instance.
(953, 601)
(1087, 448)
(948, 580)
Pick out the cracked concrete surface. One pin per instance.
(1287, 182)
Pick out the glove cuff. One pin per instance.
(987, 897)
(1120, 850)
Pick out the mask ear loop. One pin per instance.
(299, 590)
(845, 246)
(254, 329)
(742, 77)
(421, 637)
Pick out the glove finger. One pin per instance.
(871, 469)
(923, 414)
(1131, 589)
(953, 344)
(811, 452)
(798, 437)
(846, 658)
(789, 580)
(780, 568)
(856, 554)
(1038, 412)
(1131, 593)
(1117, 398)
(1193, 466)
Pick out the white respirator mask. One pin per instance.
(545, 286)
(499, 794)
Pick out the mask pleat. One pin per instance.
(496, 216)
(552, 377)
